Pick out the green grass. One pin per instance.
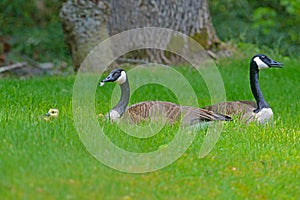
(46, 160)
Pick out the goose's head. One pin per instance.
(261, 61)
(116, 75)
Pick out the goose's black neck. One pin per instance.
(254, 76)
(124, 100)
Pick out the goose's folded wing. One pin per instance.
(232, 107)
(154, 110)
(192, 115)
(159, 110)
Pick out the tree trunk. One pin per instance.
(88, 22)
(190, 17)
(85, 25)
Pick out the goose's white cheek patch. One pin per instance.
(122, 78)
(260, 63)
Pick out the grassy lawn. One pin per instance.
(46, 160)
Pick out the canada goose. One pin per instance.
(249, 111)
(149, 109)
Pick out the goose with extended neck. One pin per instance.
(154, 109)
(249, 111)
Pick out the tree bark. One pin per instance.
(85, 25)
(88, 22)
(190, 17)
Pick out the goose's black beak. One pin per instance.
(273, 63)
(109, 78)
(112, 76)
(47, 114)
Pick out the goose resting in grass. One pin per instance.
(154, 109)
(249, 111)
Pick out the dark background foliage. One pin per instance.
(270, 23)
(32, 27)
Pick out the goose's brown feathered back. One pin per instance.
(242, 109)
(171, 112)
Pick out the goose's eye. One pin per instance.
(52, 112)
